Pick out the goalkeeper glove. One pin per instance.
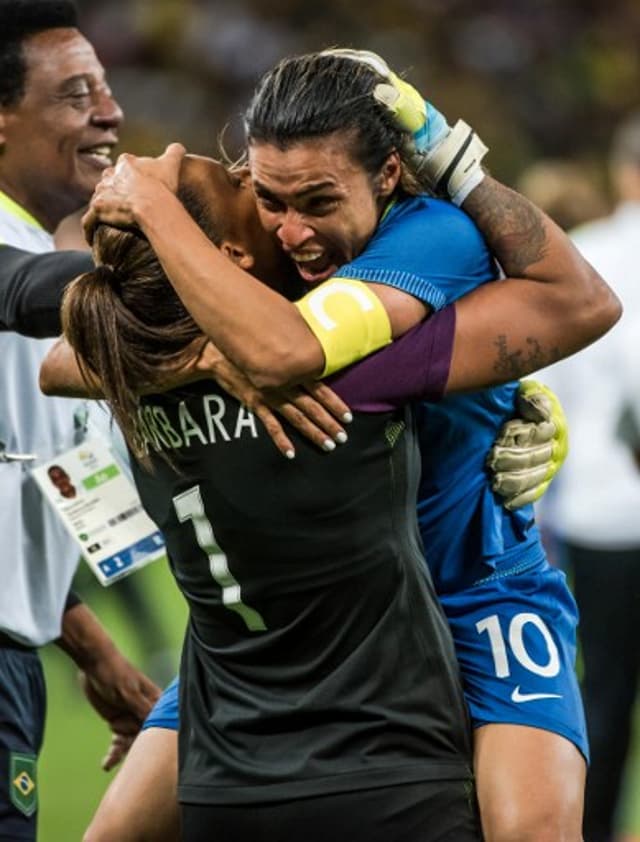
(530, 449)
(450, 157)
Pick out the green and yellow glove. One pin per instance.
(450, 157)
(530, 449)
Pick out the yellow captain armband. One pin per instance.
(348, 320)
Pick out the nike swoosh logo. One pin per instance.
(518, 697)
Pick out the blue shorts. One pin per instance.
(515, 638)
(164, 714)
(22, 713)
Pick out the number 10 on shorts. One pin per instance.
(544, 662)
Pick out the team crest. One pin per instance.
(393, 431)
(23, 782)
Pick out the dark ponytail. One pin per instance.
(126, 324)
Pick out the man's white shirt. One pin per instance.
(595, 500)
(38, 557)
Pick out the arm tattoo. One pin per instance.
(521, 361)
(513, 227)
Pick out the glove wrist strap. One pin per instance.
(455, 165)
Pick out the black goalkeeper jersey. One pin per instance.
(317, 658)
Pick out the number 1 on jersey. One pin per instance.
(189, 506)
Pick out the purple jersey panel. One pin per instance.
(414, 367)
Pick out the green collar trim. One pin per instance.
(386, 211)
(16, 210)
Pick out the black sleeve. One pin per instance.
(31, 287)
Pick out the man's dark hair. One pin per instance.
(315, 95)
(19, 19)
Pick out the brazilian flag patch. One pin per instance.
(23, 782)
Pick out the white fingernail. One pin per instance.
(341, 437)
(327, 444)
(290, 454)
(347, 418)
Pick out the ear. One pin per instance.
(238, 254)
(3, 121)
(389, 175)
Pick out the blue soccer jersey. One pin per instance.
(512, 617)
(434, 251)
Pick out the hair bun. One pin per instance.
(105, 273)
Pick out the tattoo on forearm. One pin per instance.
(513, 228)
(516, 363)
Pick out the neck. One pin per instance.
(45, 210)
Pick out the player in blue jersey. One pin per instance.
(513, 619)
(512, 616)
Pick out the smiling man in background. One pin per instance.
(58, 125)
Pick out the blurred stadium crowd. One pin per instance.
(538, 79)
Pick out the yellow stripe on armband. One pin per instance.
(348, 320)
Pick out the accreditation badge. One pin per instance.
(101, 509)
